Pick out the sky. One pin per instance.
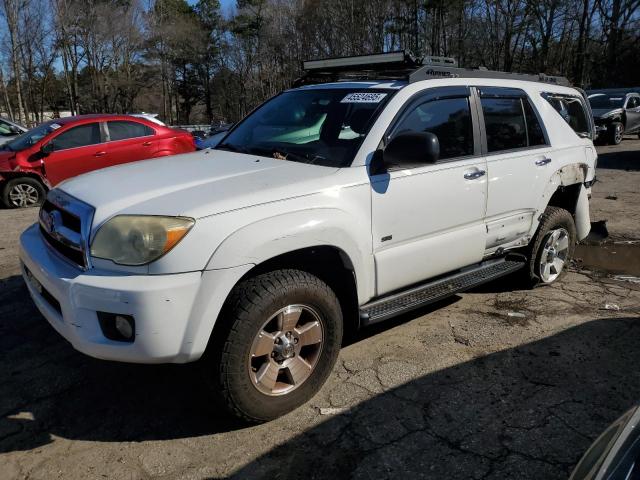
(227, 6)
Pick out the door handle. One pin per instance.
(146, 144)
(543, 161)
(474, 175)
(99, 154)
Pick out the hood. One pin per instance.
(599, 112)
(195, 184)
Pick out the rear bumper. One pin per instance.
(174, 314)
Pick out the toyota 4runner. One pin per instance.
(384, 185)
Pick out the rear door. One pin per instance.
(428, 219)
(519, 158)
(128, 141)
(76, 150)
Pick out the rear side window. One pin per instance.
(511, 123)
(571, 109)
(535, 134)
(449, 119)
(80, 136)
(121, 130)
(504, 123)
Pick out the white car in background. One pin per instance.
(9, 130)
(385, 195)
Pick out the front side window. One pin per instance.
(31, 137)
(572, 111)
(633, 102)
(121, 130)
(80, 136)
(449, 119)
(505, 124)
(320, 126)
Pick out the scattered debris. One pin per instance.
(516, 314)
(611, 306)
(461, 340)
(626, 278)
(611, 197)
(332, 410)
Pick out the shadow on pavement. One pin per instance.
(628, 160)
(525, 412)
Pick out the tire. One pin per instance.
(237, 358)
(615, 132)
(23, 192)
(553, 220)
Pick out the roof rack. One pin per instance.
(400, 65)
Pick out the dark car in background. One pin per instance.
(615, 455)
(616, 113)
(65, 147)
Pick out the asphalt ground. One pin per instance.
(492, 384)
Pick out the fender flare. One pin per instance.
(5, 176)
(280, 234)
(572, 174)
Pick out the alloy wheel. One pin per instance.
(286, 349)
(554, 255)
(23, 195)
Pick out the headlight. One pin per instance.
(138, 239)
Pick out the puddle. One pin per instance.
(622, 259)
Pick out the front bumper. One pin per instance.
(170, 311)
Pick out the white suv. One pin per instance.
(330, 207)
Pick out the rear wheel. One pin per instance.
(552, 247)
(23, 192)
(280, 337)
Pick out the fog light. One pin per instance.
(116, 326)
(124, 327)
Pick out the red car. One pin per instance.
(65, 147)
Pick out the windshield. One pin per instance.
(30, 138)
(601, 100)
(320, 126)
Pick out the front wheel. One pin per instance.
(279, 339)
(615, 133)
(552, 247)
(23, 192)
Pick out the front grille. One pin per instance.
(76, 256)
(65, 223)
(69, 220)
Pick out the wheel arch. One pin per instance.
(566, 190)
(330, 264)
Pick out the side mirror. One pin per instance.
(46, 149)
(412, 147)
(15, 129)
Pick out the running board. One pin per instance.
(415, 297)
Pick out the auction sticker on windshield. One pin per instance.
(363, 98)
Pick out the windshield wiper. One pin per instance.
(232, 148)
(296, 157)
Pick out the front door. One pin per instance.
(76, 150)
(428, 219)
(632, 112)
